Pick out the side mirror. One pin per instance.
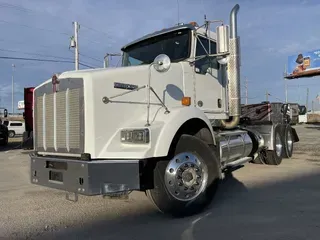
(162, 63)
(302, 110)
(284, 108)
(222, 43)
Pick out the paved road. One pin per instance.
(257, 202)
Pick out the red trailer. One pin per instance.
(27, 139)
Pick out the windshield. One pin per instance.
(174, 44)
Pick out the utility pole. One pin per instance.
(267, 94)
(286, 86)
(76, 39)
(307, 98)
(285, 82)
(12, 96)
(246, 86)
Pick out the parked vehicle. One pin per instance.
(14, 127)
(168, 122)
(293, 111)
(27, 138)
(4, 134)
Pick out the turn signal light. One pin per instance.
(186, 101)
(195, 24)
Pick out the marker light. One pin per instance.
(186, 101)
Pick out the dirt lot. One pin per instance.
(258, 202)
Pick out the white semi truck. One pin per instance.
(167, 122)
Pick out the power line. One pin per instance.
(16, 7)
(90, 57)
(42, 60)
(35, 54)
(36, 59)
(43, 46)
(43, 29)
(95, 30)
(44, 55)
(41, 55)
(24, 43)
(24, 9)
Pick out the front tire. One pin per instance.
(185, 184)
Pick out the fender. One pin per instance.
(173, 121)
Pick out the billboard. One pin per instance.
(305, 64)
(20, 105)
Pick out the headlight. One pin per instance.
(135, 136)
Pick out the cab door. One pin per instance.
(210, 90)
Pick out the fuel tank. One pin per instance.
(235, 145)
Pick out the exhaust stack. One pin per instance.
(234, 72)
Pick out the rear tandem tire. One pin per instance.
(287, 142)
(186, 184)
(274, 157)
(4, 142)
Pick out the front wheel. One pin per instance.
(185, 184)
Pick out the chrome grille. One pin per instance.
(59, 118)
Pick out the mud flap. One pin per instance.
(295, 135)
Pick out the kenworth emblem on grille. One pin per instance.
(55, 83)
(125, 86)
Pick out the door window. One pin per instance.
(202, 65)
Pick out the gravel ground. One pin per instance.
(258, 201)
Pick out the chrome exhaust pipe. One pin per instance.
(234, 22)
(234, 72)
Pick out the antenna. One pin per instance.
(178, 12)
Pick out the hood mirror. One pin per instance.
(162, 63)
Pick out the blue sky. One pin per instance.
(270, 31)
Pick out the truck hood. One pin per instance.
(95, 123)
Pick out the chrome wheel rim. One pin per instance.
(278, 145)
(289, 140)
(186, 176)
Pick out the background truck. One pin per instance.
(167, 122)
(27, 137)
(293, 111)
(4, 133)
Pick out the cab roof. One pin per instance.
(157, 33)
(201, 31)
